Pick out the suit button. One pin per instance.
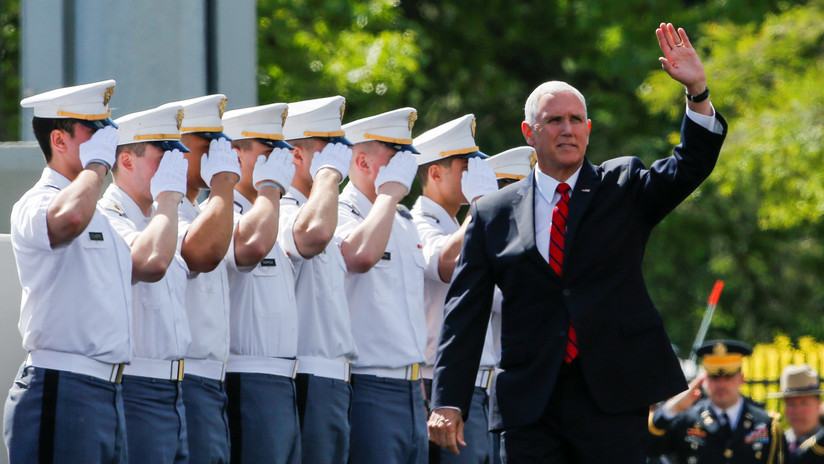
(562, 333)
(566, 292)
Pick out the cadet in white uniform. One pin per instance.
(66, 403)
(452, 173)
(384, 287)
(155, 415)
(206, 231)
(308, 218)
(263, 419)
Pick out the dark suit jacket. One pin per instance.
(625, 354)
(696, 433)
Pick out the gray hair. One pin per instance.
(548, 88)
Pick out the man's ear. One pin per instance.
(59, 140)
(434, 172)
(527, 131)
(125, 160)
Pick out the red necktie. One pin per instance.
(556, 256)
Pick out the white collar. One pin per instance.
(732, 412)
(547, 185)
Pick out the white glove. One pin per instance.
(171, 174)
(100, 148)
(221, 158)
(401, 169)
(478, 180)
(334, 155)
(278, 168)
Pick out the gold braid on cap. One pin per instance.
(342, 109)
(179, 118)
(283, 116)
(533, 159)
(472, 126)
(107, 95)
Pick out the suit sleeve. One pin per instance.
(671, 180)
(468, 305)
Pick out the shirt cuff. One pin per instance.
(710, 123)
(667, 414)
(447, 407)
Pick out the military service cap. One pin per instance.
(87, 103)
(514, 163)
(202, 116)
(319, 118)
(455, 138)
(723, 357)
(393, 128)
(159, 126)
(263, 123)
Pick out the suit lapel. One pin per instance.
(588, 182)
(523, 209)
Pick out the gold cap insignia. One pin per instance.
(222, 105)
(473, 127)
(283, 116)
(413, 116)
(342, 109)
(107, 95)
(179, 118)
(533, 159)
(719, 349)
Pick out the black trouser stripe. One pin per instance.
(48, 416)
(235, 421)
(301, 391)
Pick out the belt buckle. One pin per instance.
(413, 372)
(116, 376)
(176, 376)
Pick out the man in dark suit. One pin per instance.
(584, 351)
(725, 426)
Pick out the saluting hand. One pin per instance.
(682, 401)
(446, 429)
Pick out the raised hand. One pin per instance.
(680, 60)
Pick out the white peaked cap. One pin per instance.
(202, 115)
(159, 125)
(263, 123)
(515, 163)
(320, 117)
(393, 128)
(454, 138)
(87, 102)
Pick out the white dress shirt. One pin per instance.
(385, 303)
(434, 227)
(324, 327)
(77, 296)
(263, 313)
(207, 301)
(161, 330)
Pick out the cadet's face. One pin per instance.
(145, 167)
(802, 413)
(379, 155)
(723, 389)
(452, 180)
(248, 158)
(307, 153)
(81, 134)
(560, 134)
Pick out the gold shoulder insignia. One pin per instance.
(116, 208)
(107, 95)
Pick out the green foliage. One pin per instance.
(9, 70)
(359, 49)
(757, 222)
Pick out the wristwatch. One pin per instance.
(698, 98)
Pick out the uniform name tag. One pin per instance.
(269, 262)
(96, 236)
(387, 256)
